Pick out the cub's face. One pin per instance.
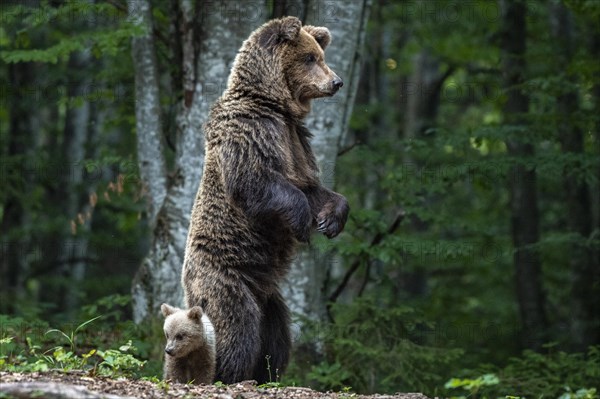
(183, 330)
(308, 76)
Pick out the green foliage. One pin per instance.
(472, 386)
(555, 374)
(582, 393)
(32, 20)
(72, 336)
(30, 345)
(119, 362)
(376, 348)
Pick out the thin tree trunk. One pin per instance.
(19, 145)
(205, 68)
(522, 180)
(583, 318)
(422, 94)
(594, 276)
(74, 247)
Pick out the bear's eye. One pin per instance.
(310, 58)
(179, 336)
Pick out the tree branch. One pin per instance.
(356, 264)
(348, 148)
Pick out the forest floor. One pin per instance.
(77, 385)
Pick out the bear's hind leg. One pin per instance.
(276, 341)
(237, 324)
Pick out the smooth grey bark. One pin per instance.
(328, 121)
(76, 131)
(205, 66)
(150, 147)
(147, 285)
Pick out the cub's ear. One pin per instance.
(321, 35)
(195, 313)
(167, 309)
(279, 31)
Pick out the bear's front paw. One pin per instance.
(332, 218)
(301, 223)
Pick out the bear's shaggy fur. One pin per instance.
(190, 353)
(260, 195)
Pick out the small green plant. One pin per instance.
(582, 393)
(119, 362)
(346, 392)
(163, 385)
(472, 386)
(271, 383)
(72, 336)
(268, 358)
(26, 355)
(67, 360)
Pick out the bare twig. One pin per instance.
(346, 149)
(356, 264)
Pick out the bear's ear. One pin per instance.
(167, 309)
(321, 35)
(279, 31)
(195, 313)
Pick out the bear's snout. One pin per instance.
(169, 351)
(337, 83)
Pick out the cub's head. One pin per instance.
(286, 61)
(186, 330)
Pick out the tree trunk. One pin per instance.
(583, 317)
(74, 243)
(328, 121)
(151, 160)
(422, 94)
(19, 145)
(205, 68)
(594, 276)
(147, 111)
(522, 180)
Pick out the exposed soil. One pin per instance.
(53, 385)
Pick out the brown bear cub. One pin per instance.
(190, 350)
(260, 195)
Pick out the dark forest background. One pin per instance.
(470, 264)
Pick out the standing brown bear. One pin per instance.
(260, 195)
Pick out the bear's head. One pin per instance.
(185, 330)
(285, 60)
